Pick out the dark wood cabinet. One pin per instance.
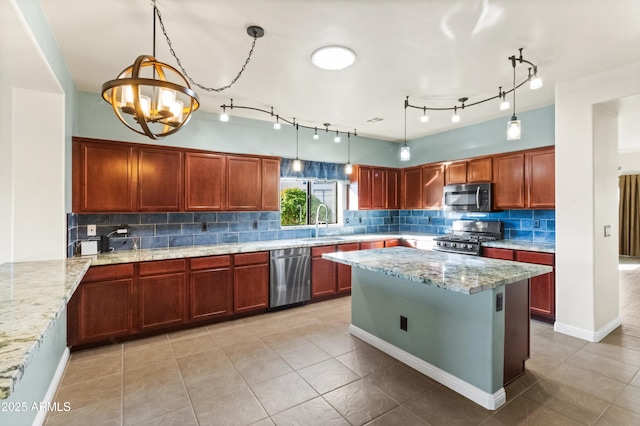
(162, 294)
(270, 178)
(541, 179)
(344, 271)
(368, 245)
(480, 170)
(543, 290)
(101, 308)
(456, 173)
(204, 181)
(250, 281)
(364, 182)
(509, 181)
(243, 183)
(393, 188)
(378, 188)
(159, 180)
(411, 188)
(433, 186)
(210, 288)
(323, 272)
(392, 243)
(516, 330)
(104, 176)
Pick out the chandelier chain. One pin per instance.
(184, 71)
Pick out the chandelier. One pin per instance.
(155, 99)
(514, 125)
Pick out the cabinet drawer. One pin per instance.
(349, 247)
(497, 253)
(371, 245)
(108, 272)
(251, 258)
(535, 257)
(391, 243)
(163, 267)
(319, 251)
(210, 262)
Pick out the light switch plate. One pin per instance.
(607, 231)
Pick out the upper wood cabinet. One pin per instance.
(243, 183)
(364, 181)
(378, 188)
(393, 188)
(204, 181)
(160, 175)
(104, 176)
(541, 178)
(480, 170)
(456, 173)
(411, 188)
(508, 186)
(124, 177)
(270, 184)
(433, 186)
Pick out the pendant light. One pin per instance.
(315, 134)
(424, 118)
(153, 98)
(504, 104)
(405, 151)
(337, 138)
(297, 164)
(514, 129)
(348, 168)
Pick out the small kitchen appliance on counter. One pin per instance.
(467, 236)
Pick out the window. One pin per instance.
(300, 199)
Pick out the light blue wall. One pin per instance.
(96, 119)
(489, 137)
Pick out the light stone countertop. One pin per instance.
(522, 245)
(33, 296)
(456, 272)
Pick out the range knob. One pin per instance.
(454, 245)
(469, 246)
(438, 243)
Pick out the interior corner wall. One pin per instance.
(6, 169)
(39, 220)
(629, 163)
(581, 210)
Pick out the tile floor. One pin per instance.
(301, 367)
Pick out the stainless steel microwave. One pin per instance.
(470, 197)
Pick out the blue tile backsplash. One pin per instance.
(163, 230)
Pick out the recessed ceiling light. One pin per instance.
(333, 57)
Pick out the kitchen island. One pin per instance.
(461, 320)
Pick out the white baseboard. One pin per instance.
(480, 397)
(53, 386)
(588, 335)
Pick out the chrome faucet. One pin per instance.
(326, 218)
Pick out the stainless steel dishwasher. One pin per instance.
(290, 277)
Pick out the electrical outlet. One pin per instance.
(403, 323)
(255, 224)
(536, 223)
(204, 227)
(346, 220)
(91, 230)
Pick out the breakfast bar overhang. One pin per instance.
(461, 320)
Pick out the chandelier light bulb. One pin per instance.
(177, 109)
(145, 104)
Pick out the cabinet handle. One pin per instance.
(478, 197)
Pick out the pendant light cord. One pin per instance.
(405, 121)
(514, 90)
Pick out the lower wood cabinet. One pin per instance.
(542, 288)
(368, 245)
(102, 307)
(162, 294)
(344, 271)
(323, 272)
(210, 288)
(250, 281)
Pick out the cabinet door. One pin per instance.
(543, 289)
(162, 289)
(251, 287)
(367, 245)
(103, 176)
(433, 186)
(508, 174)
(204, 181)
(243, 183)
(210, 288)
(364, 188)
(159, 180)
(392, 243)
(344, 271)
(270, 184)
(412, 188)
(480, 170)
(497, 253)
(323, 272)
(378, 188)
(393, 189)
(541, 179)
(456, 173)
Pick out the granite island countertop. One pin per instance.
(33, 295)
(522, 245)
(456, 272)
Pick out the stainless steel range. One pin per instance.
(468, 235)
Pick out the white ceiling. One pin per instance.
(434, 51)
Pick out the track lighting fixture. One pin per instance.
(224, 117)
(276, 125)
(155, 99)
(424, 118)
(337, 138)
(514, 125)
(315, 134)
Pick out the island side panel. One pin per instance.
(458, 333)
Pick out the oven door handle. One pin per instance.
(478, 197)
